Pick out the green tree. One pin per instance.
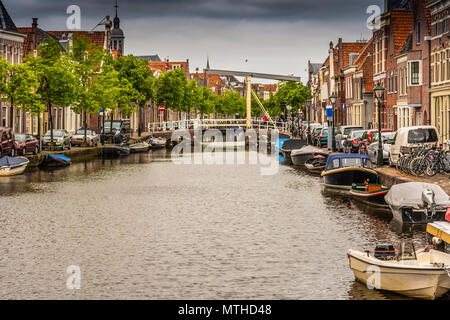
(232, 103)
(113, 92)
(170, 89)
(137, 73)
(294, 94)
(207, 101)
(86, 58)
(18, 85)
(58, 81)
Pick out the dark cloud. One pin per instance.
(274, 36)
(326, 10)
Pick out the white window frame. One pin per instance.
(409, 73)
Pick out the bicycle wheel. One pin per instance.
(432, 168)
(416, 166)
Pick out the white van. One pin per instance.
(412, 137)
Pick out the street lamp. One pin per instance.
(333, 99)
(288, 108)
(379, 93)
(308, 137)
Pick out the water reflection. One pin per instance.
(143, 227)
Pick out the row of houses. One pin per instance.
(408, 54)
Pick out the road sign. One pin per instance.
(162, 108)
(101, 112)
(329, 112)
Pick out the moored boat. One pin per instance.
(54, 160)
(115, 150)
(10, 166)
(343, 170)
(300, 156)
(417, 202)
(139, 147)
(316, 165)
(288, 146)
(370, 193)
(157, 143)
(423, 274)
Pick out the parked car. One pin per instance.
(412, 137)
(7, 147)
(372, 149)
(311, 128)
(315, 134)
(351, 144)
(26, 143)
(367, 139)
(92, 138)
(342, 135)
(322, 140)
(61, 139)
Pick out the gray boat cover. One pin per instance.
(410, 195)
(8, 161)
(307, 150)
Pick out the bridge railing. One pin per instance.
(216, 123)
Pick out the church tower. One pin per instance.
(117, 36)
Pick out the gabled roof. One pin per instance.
(363, 53)
(28, 41)
(97, 37)
(348, 48)
(401, 26)
(6, 23)
(154, 57)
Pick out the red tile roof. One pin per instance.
(401, 26)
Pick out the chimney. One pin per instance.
(34, 32)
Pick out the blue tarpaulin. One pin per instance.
(7, 161)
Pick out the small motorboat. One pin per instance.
(316, 164)
(290, 145)
(418, 202)
(423, 274)
(54, 160)
(115, 150)
(10, 166)
(157, 143)
(370, 193)
(300, 156)
(140, 147)
(343, 170)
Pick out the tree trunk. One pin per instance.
(85, 129)
(11, 114)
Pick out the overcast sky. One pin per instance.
(275, 36)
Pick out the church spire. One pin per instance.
(116, 19)
(207, 63)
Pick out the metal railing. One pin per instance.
(217, 124)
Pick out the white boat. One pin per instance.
(157, 143)
(10, 166)
(423, 275)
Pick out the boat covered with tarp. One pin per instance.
(54, 160)
(288, 146)
(300, 156)
(10, 166)
(418, 202)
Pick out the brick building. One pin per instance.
(440, 67)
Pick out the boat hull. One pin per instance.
(115, 151)
(287, 156)
(343, 178)
(375, 197)
(8, 172)
(410, 215)
(422, 283)
(300, 159)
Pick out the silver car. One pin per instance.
(61, 139)
(92, 138)
(343, 134)
(372, 149)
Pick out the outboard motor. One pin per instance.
(428, 198)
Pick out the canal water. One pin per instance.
(142, 227)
